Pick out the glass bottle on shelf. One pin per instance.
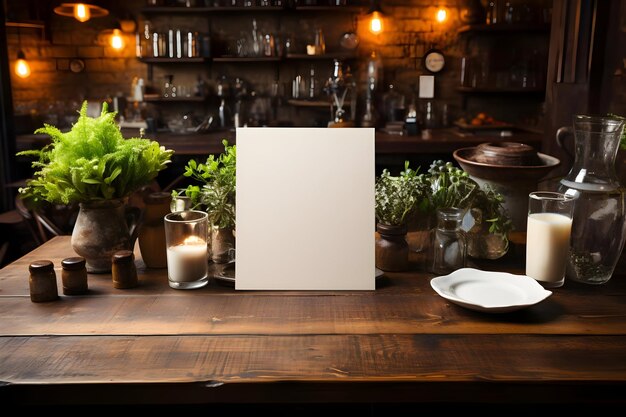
(169, 90)
(449, 242)
(320, 43)
(312, 84)
(145, 40)
(394, 105)
(492, 13)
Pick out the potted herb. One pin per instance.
(448, 187)
(396, 199)
(216, 196)
(488, 237)
(94, 165)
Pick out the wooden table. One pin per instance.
(400, 343)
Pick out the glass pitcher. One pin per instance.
(598, 228)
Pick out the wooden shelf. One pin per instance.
(163, 60)
(246, 59)
(496, 90)
(344, 9)
(228, 9)
(160, 99)
(335, 55)
(506, 27)
(309, 103)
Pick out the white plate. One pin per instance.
(491, 292)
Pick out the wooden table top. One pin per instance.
(399, 343)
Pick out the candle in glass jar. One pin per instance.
(188, 261)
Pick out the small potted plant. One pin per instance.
(396, 199)
(216, 196)
(448, 187)
(94, 165)
(488, 237)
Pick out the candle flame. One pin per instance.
(193, 240)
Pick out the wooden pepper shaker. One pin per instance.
(124, 271)
(74, 276)
(42, 282)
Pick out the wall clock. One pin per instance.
(434, 60)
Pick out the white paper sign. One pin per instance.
(427, 86)
(305, 209)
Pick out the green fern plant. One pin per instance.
(92, 162)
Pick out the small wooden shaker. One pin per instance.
(123, 270)
(43, 282)
(74, 276)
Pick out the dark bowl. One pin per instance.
(466, 157)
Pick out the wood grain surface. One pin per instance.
(399, 339)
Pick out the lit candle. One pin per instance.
(188, 262)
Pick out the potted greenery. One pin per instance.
(488, 237)
(216, 196)
(448, 187)
(94, 165)
(396, 199)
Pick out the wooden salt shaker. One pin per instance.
(123, 270)
(74, 276)
(42, 282)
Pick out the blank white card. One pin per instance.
(305, 209)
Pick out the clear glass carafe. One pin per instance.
(598, 228)
(449, 247)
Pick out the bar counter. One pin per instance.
(439, 141)
(400, 343)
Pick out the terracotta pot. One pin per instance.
(392, 250)
(101, 230)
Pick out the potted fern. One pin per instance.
(397, 198)
(216, 196)
(94, 165)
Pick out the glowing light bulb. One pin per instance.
(117, 41)
(376, 24)
(22, 69)
(442, 15)
(81, 12)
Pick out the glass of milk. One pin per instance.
(186, 237)
(548, 236)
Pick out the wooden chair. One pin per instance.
(8, 221)
(45, 223)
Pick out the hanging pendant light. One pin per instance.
(441, 15)
(22, 68)
(80, 11)
(117, 40)
(376, 18)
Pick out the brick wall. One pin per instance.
(410, 30)
(53, 90)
